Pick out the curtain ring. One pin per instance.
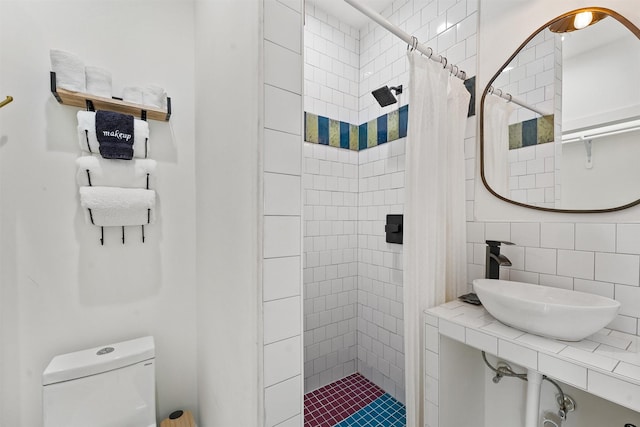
(510, 97)
(457, 69)
(413, 44)
(463, 76)
(444, 62)
(430, 54)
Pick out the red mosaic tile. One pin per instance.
(328, 405)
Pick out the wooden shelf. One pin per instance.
(83, 100)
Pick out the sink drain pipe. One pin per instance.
(534, 384)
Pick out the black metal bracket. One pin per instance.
(393, 229)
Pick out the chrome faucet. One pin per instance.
(495, 259)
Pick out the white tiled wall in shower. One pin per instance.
(380, 303)
(447, 26)
(330, 263)
(332, 62)
(282, 239)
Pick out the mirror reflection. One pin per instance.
(561, 120)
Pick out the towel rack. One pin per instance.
(82, 100)
(7, 100)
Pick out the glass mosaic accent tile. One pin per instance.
(333, 403)
(386, 128)
(531, 132)
(385, 411)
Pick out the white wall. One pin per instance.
(614, 168)
(228, 211)
(60, 290)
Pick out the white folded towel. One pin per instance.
(98, 81)
(115, 173)
(112, 206)
(89, 142)
(154, 96)
(132, 94)
(69, 70)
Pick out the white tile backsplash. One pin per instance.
(282, 401)
(596, 237)
(617, 268)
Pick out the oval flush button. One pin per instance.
(105, 350)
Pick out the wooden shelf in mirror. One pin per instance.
(82, 100)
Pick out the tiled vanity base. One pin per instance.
(606, 364)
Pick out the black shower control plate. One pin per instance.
(393, 229)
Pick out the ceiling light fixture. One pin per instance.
(582, 20)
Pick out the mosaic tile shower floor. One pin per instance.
(352, 402)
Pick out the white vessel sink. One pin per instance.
(542, 310)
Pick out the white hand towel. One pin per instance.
(154, 96)
(69, 70)
(115, 173)
(89, 143)
(132, 94)
(98, 81)
(112, 206)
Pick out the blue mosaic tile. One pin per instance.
(404, 121)
(384, 411)
(382, 129)
(529, 132)
(362, 140)
(323, 130)
(344, 135)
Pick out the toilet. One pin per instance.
(107, 386)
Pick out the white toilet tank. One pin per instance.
(108, 386)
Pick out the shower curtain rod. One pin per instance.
(415, 44)
(509, 98)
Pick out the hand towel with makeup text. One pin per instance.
(114, 132)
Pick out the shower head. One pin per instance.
(384, 95)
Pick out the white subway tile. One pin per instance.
(562, 370)
(628, 238)
(556, 281)
(482, 341)
(282, 152)
(282, 67)
(281, 236)
(498, 231)
(281, 277)
(576, 264)
(281, 194)
(617, 268)
(557, 235)
(589, 358)
(281, 319)
(540, 260)
(593, 287)
(596, 237)
(452, 330)
(282, 401)
(282, 360)
(282, 110)
(615, 390)
(282, 25)
(525, 234)
(542, 343)
(518, 354)
(432, 339)
(629, 297)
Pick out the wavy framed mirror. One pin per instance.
(560, 120)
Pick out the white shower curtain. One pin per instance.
(496, 143)
(434, 217)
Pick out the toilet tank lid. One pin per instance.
(97, 360)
